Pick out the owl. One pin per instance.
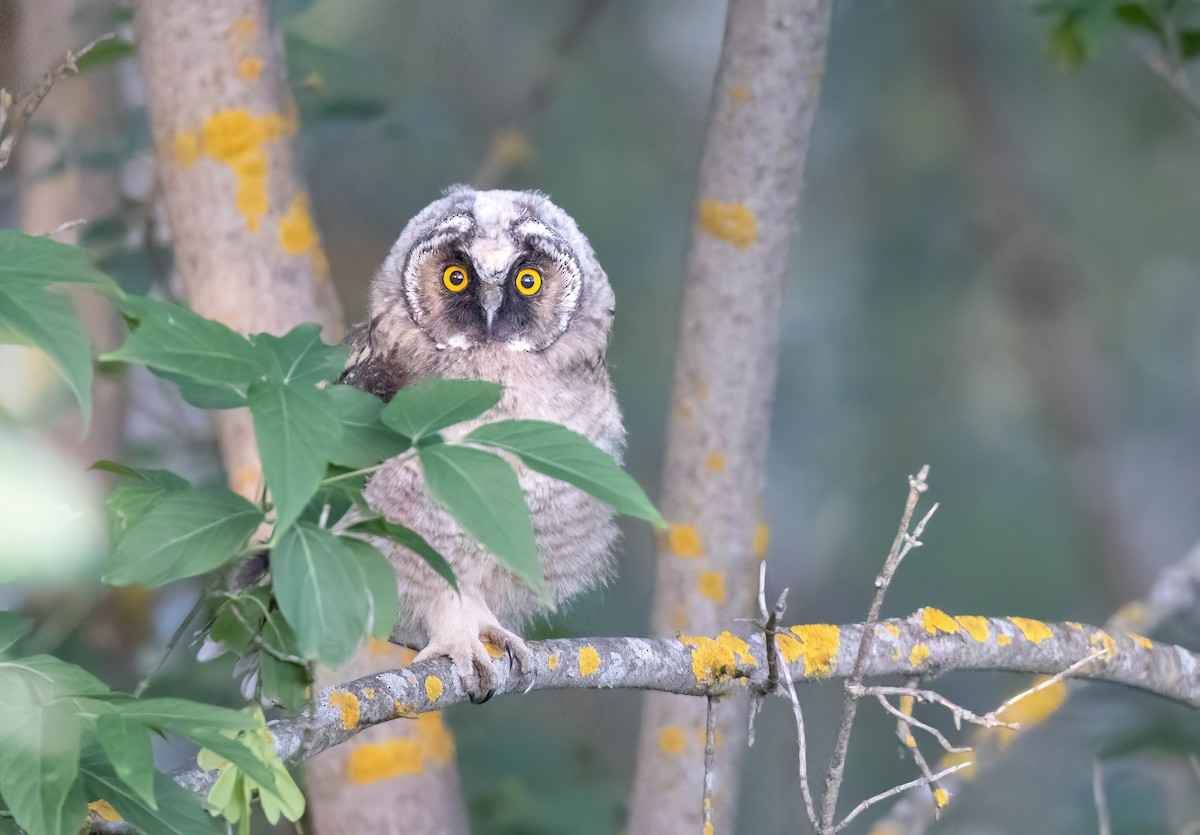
(498, 286)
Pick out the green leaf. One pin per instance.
(239, 619)
(282, 682)
(296, 426)
(558, 452)
(172, 340)
(1189, 43)
(299, 356)
(179, 811)
(207, 725)
(426, 407)
(127, 745)
(379, 580)
(13, 627)
(105, 52)
(1066, 44)
(410, 539)
(365, 439)
(188, 533)
(31, 261)
(481, 491)
(1137, 16)
(137, 492)
(320, 589)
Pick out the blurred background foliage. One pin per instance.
(910, 337)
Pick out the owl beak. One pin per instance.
(491, 296)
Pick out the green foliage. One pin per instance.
(65, 739)
(106, 52)
(1081, 29)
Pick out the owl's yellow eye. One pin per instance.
(529, 282)
(455, 279)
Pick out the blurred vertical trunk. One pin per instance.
(249, 255)
(763, 105)
(1038, 281)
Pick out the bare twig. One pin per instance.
(710, 749)
(805, 789)
(1104, 825)
(906, 721)
(904, 726)
(15, 112)
(1050, 682)
(895, 790)
(903, 543)
(960, 713)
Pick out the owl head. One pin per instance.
(505, 270)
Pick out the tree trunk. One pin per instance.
(249, 255)
(751, 173)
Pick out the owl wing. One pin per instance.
(367, 369)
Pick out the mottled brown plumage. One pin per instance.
(547, 348)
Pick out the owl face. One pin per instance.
(491, 268)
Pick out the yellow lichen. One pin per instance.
(730, 222)
(371, 762)
(433, 688)
(1003, 640)
(896, 653)
(348, 703)
(935, 621)
(906, 705)
(1142, 640)
(679, 619)
(244, 26)
(1106, 641)
(910, 741)
(377, 647)
(552, 662)
(716, 659)
(238, 139)
(1037, 706)
(314, 81)
(715, 462)
(589, 661)
(789, 647)
(762, 538)
(892, 629)
(106, 811)
(685, 541)
(941, 797)
(369, 692)
(739, 92)
(436, 741)
(297, 233)
(708, 828)
(187, 147)
(1034, 630)
(1129, 614)
(672, 740)
(974, 626)
(819, 644)
(493, 651)
(919, 653)
(712, 586)
(1075, 625)
(954, 758)
(250, 68)
(404, 711)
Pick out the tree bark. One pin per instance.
(249, 255)
(763, 105)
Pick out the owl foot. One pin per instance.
(458, 628)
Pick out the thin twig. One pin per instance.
(895, 790)
(179, 632)
(903, 543)
(710, 754)
(15, 112)
(1105, 826)
(904, 725)
(805, 789)
(959, 712)
(907, 720)
(1050, 682)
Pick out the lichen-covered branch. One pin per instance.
(764, 104)
(928, 642)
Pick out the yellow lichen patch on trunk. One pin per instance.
(708, 828)
(589, 661)
(715, 462)
(106, 811)
(552, 662)
(238, 139)
(685, 541)
(1103, 639)
(1130, 613)
(712, 586)
(433, 688)
(953, 758)
(297, 232)
(730, 222)
(372, 762)
(819, 644)
(935, 621)
(404, 711)
(245, 27)
(919, 654)
(1037, 706)
(187, 147)
(974, 626)
(716, 659)
(906, 705)
(789, 647)
(762, 538)
(1034, 630)
(250, 68)
(739, 92)
(348, 703)
(1003, 640)
(436, 741)
(672, 740)
(892, 629)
